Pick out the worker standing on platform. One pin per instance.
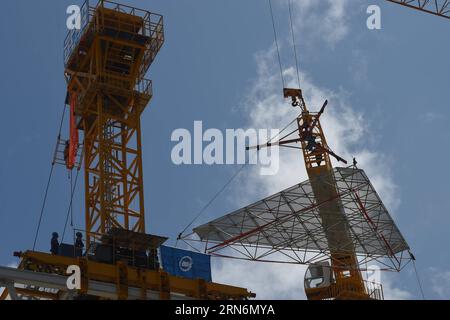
(79, 245)
(54, 244)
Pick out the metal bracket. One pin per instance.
(9, 285)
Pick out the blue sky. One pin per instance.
(392, 84)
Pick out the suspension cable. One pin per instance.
(419, 282)
(224, 187)
(70, 208)
(48, 184)
(293, 43)
(284, 129)
(210, 202)
(43, 206)
(276, 43)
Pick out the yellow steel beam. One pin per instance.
(4, 294)
(124, 276)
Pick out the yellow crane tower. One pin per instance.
(105, 66)
(348, 283)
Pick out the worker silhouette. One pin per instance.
(79, 245)
(54, 244)
(312, 144)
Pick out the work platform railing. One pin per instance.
(60, 154)
(344, 290)
(147, 24)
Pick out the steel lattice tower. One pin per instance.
(105, 76)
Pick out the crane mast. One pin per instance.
(344, 265)
(106, 81)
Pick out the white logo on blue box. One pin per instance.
(186, 264)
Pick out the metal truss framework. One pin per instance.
(29, 285)
(288, 228)
(105, 66)
(437, 7)
(41, 276)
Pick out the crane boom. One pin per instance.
(437, 7)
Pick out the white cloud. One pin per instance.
(344, 127)
(359, 67)
(391, 290)
(322, 20)
(268, 281)
(432, 117)
(440, 283)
